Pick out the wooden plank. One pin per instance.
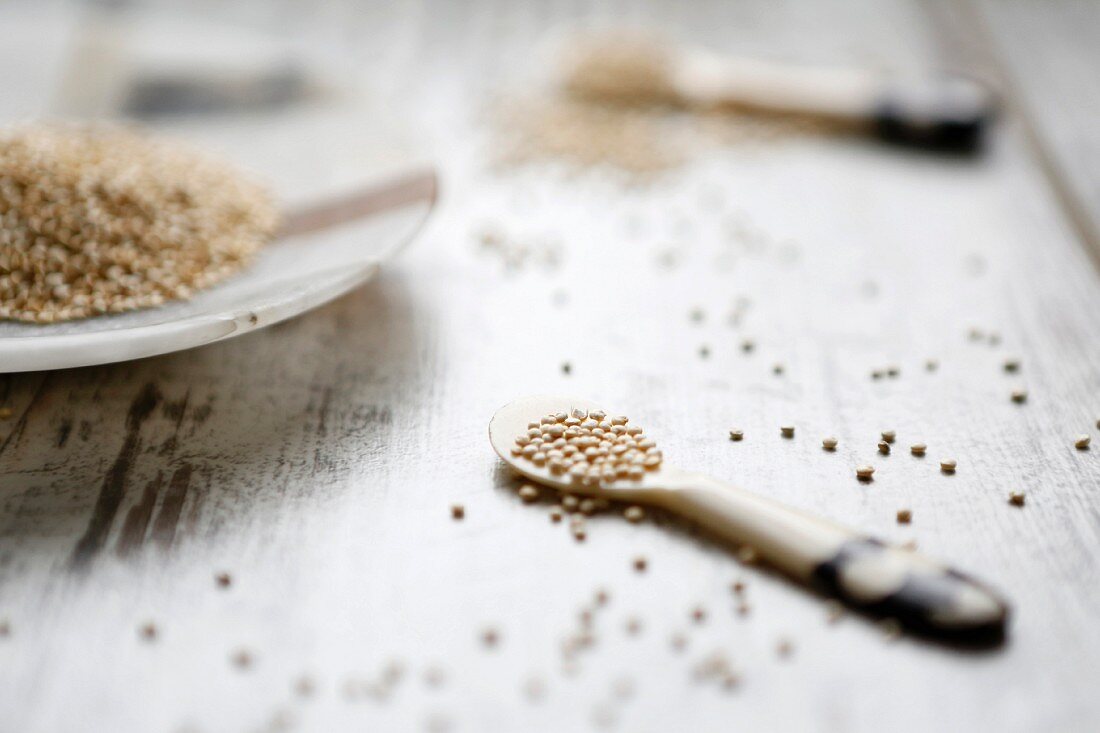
(1046, 54)
(316, 461)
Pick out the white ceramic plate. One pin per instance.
(290, 276)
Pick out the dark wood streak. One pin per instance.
(326, 403)
(175, 411)
(197, 491)
(63, 432)
(132, 535)
(164, 528)
(21, 422)
(114, 483)
(322, 429)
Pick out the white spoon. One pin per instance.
(862, 571)
(938, 111)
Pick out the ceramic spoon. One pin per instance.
(938, 111)
(862, 571)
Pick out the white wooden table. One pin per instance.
(316, 461)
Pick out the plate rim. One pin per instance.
(41, 353)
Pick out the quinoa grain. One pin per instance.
(101, 219)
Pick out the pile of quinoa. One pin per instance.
(99, 219)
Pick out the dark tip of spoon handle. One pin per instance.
(950, 115)
(923, 597)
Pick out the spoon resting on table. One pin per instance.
(942, 112)
(573, 446)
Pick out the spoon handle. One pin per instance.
(419, 185)
(860, 570)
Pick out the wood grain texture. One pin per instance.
(1045, 54)
(316, 461)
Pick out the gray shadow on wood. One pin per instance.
(124, 458)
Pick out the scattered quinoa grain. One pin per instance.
(948, 465)
(905, 516)
(777, 369)
(893, 371)
(918, 449)
(784, 648)
(458, 511)
(748, 345)
(1012, 365)
(556, 514)
(633, 626)
(640, 564)
(704, 351)
(529, 493)
(889, 436)
(877, 374)
(787, 431)
(698, 614)
(736, 435)
(931, 365)
(1019, 396)
(534, 689)
(566, 368)
(148, 632)
(623, 688)
(829, 443)
(242, 659)
(1016, 498)
(570, 502)
(304, 686)
(634, 514)
(738, 586)
(743, 608)
(884, 447)
(223, 580)
(490, 637)
(1082, 442)
(865, 472)
(731, 680)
